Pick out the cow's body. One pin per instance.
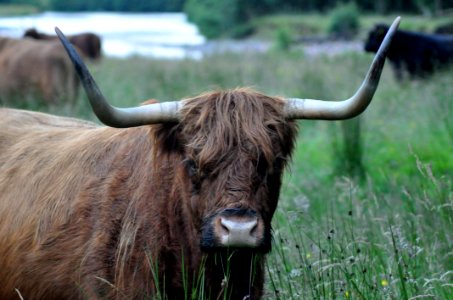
(88, 43)
(36, 68)
(419, 54)
(92, 211)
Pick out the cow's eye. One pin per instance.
(261, 166)
(191, 167)
(194, 174)
(279, 163)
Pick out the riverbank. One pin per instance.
(322, 46)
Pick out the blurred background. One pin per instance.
(187, 28)
(366, 211)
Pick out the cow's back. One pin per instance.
(40, 68)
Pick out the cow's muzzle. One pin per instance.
(234, 228)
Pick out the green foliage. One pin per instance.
(213, 17)
(365, 244)
(216, 18)
(283, 39)
(344, 20)
(347, 144)
(17, 9)
(116, 5)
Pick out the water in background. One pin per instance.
(159, 35)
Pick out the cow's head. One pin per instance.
(32, 32)
(233, 146)
(375, 37)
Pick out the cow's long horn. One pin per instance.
(113, 116)
(340, 110)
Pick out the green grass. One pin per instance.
(387, 236)
(360, 243)
(8, 10)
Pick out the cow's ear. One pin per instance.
(167, 138)
(191, 166)
(195, 176)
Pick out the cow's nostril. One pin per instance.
(224, 227)
(253, 230)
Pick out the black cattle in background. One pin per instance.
(418, 54)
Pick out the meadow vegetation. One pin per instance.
(318, 24)
(7, 10)
(386, 234)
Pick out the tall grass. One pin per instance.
(387, 236)
(365, 244)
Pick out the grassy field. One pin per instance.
(386, 234)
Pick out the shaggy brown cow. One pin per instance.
(37, 68)
(88, 43)
(149, 210)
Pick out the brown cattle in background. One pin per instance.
(180, 196)
(37, 69)
(88, 43)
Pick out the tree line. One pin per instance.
(104, 5)
(244, 8)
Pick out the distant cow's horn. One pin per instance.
(340, 110)
(113, 116)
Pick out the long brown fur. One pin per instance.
(90, 212)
